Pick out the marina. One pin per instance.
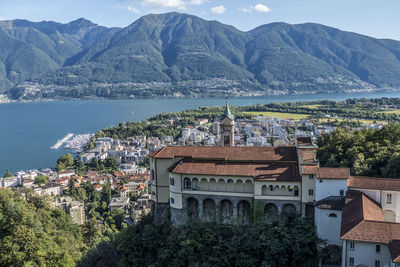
(78, 142)
(62, 141)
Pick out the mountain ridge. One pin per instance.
(191, 56)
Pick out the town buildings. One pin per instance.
(229, 184)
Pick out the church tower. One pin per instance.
(227, 126)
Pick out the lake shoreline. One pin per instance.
(301, 93)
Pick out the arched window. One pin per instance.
(171, 181)
(271, 188)
(332, 215)
(187, 183)
(172, 200)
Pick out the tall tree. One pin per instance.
(8, 174)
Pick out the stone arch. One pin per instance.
(295, 190)
(239, 186)
(192, 208)
(271, 212)
(283, 188)
(212, 185)
(248, 186)
(277, 188)
(244, 211)
(187, 183)
(226, 211)
(389, 216)
(195, 184)
(209, 210)
(221, 185)
(271, 188)
(230, 186)
(289, 211)
(264, 190)
(203, 184)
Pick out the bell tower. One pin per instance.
(227, 127)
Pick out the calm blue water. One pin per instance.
(28, 130)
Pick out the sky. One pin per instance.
(376, 18)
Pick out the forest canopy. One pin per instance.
(367, 152)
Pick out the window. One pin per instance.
(352, 245)
(320, 180)
(172, 200)
(311, 176)
(187, 183)
(378, 248)
(377, 263)
(332, 215)
(311, 192)
(171, 181)
(351, 261)
(341, 192)
(296, 192)
(152, 175)
(389, 198)
(271, 188)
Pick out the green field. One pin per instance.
(311, 106)
(393, 111)
(280, 115)
(340, 119)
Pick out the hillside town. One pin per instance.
(192, 183)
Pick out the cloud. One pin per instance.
(179, 4)
(197, 2)
(218, 9)
(134, 10)
(261, 8)
(257, 8)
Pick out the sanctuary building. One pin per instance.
(231, 184)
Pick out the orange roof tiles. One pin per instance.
(288, 153)
(362, 220)
(333, 173)
(309, 169)
(260, 171)
(374, 183)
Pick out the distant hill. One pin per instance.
(180, 54)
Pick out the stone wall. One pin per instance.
(229, 209)
(159, 212)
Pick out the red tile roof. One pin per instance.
(362, 220)
(358, 207)
(374, 183)
(260, 171)
(394, 249)
(333, 173)
(309, 169)
(288, 153)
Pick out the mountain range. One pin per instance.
(180, 54)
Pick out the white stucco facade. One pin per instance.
(330, 187)
(328, 225)
(365, 253)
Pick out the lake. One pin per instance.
(28, 130)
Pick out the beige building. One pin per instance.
(225, 183)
